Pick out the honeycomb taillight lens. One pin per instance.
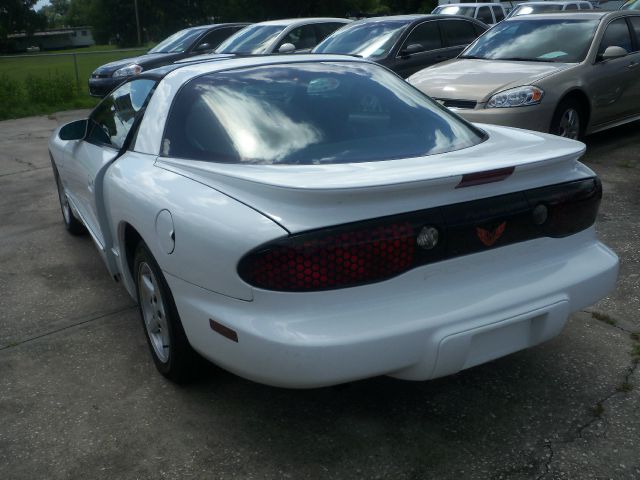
(333, 258)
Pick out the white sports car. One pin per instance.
(310, 220)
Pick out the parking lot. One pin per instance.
(81, 398)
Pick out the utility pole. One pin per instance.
(135, 3)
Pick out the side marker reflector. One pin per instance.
(223, 330)
(488, 176)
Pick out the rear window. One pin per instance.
(309, 113)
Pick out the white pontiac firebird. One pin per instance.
(310, 220)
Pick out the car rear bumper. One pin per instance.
(430, 322)
(535, 117)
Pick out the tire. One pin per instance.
(569, 119)
(71, 223)
(172, 354)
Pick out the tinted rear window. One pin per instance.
(309, 113)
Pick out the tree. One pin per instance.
(18, 16)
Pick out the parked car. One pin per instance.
(631, 5)
(296, 35)
(182, 44)
(570, 74)
(406, 43)
(488, 13)
(528, 8)
(307, 220)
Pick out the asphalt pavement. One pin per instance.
(80, 397)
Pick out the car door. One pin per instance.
(108, 128)
(634, 66)
(421, 48)
(614, 81)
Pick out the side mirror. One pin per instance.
(74, 131)
(287, 48)
(613, 52)
(202, 47)
(411, 49)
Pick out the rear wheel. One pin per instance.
(569, 120)
(170, 349)
(71, 223)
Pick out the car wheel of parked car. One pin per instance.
(569, 120)
(71, 223)
(168, 343)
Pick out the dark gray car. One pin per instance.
(404, 43)
(182, 44)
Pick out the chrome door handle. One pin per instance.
(633, 65)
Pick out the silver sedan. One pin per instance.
(570, 74)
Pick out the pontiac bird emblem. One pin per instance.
(489, 237)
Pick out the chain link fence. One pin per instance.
(43, 83)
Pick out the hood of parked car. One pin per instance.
(477, 80)
(146, 61)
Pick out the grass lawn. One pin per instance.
(26, 83)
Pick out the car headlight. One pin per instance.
(516, 97)
(128, 71)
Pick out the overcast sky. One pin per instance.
(40, 4)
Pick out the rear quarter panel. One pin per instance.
(212, 230)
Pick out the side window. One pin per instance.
(484, 15)
(617, 34)
(571, 6)
(427, 35)
(635, 25)
(302, 37)
(498, 13)
(457, 32)
(323, 30)
(112, 119)
(217, 36)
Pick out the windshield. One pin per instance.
(253, 40)
(178, 42)
(632, 5)
(538, 8)
(561, 40)
(453, 10)
(309, 114)
(370, 39)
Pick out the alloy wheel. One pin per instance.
(569, 126)
(153, 312)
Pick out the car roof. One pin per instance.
(563, 2)
(194, 69)
(407, 18)
(573, 15)
(302, 21)
(479, 4)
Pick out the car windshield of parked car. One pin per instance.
(178, 42)
(253, 40)
(454, 10)
(370, 39)
(309, 113)
(632, 5)
(538, 8)
(556, 40)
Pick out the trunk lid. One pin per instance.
(302, 198)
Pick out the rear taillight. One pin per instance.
(375, 250)
(332, 258)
